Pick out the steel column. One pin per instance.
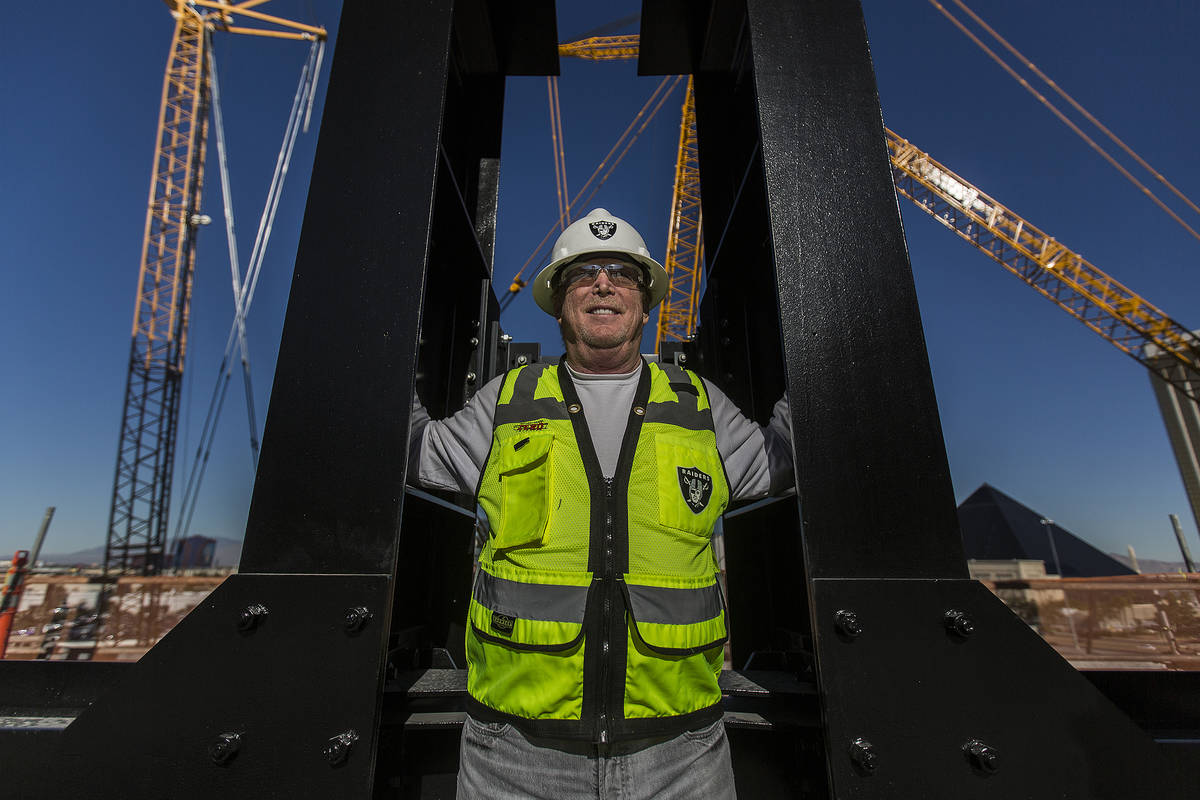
(929, 686)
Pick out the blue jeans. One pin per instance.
(498, 762)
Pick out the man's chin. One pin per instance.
(603, 341)
(604, 335)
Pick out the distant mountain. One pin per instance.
(80, 558)
(1149, 565)
(229, 551)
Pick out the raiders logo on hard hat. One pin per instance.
(696, 487)
(603, 229)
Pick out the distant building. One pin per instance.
(194, 552)
(1013, 569)
(996, 527)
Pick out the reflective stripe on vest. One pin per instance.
(570, 552)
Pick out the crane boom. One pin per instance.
(141, 498)
(602, 48)
(1126, 320)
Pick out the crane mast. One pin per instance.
(685, 243)
(140, 510)
(685, 247)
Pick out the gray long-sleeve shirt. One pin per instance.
(450, 453)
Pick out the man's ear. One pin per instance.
(645, 317)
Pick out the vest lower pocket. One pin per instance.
(676, 616)
(525, 641)
(676, 629)
(524, 462)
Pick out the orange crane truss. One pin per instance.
(677, 315)
(684, 257)
(602, 48)
(685, 243)
(141, 497)
(1128, 321)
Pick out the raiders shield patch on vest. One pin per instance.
(696, 487)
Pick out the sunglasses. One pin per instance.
(623, 276)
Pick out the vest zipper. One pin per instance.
(606, 610)
(607, 547)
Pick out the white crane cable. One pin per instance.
(1076, 105)
(239, 312)
(1092, 143)
(304, 92)
(244, 291)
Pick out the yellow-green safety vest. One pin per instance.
(596, 612)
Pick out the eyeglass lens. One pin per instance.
(622, 275)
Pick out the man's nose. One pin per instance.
(603, 285)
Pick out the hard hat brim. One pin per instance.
(543, 291)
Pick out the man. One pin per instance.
(596, 624)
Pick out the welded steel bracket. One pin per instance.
(241, 699)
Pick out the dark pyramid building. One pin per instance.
(994, 526)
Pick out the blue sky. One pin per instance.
(1031, 401)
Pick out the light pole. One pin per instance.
(1048, 524)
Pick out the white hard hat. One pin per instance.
(598, 232)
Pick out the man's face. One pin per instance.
(601, 314)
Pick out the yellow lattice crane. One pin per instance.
(685, 247)
(685, 243)
(139, 515)
(603, 48)
(1128, 321)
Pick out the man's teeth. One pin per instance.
(602, 311)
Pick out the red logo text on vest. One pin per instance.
(533, 426)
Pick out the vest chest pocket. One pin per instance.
(524, 470)
(692, 492)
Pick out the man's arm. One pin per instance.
(450, 453)
(758, 460)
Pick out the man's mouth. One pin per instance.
(603, 310)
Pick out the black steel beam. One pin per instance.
(934, 665)
(873, 479)
(242, 699)
(330, 482)
(809, 286)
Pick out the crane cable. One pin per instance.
(560, 158)
(1063, 117)
(239, 311)
(651, 107)
(1075, 104)
(298, 120)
